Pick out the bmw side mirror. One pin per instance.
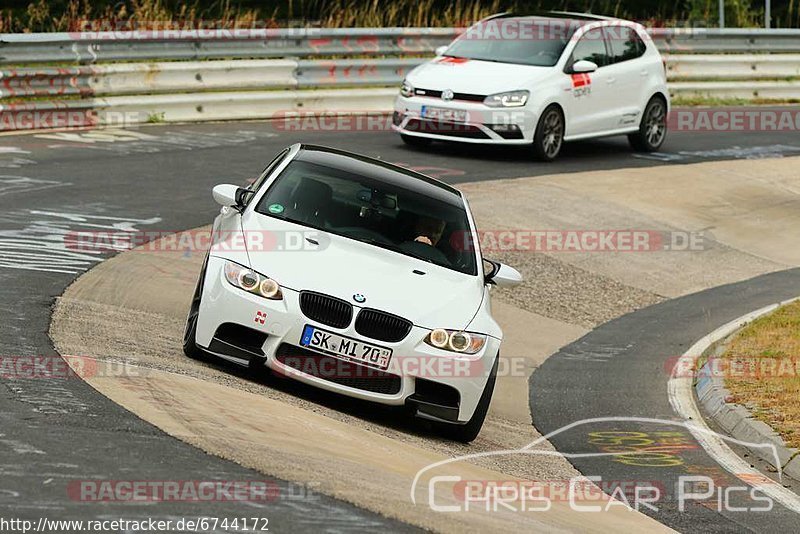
(440, 50)
(583, 67)
(228, 195)
(502, 275)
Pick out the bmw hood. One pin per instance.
(343, 268)
(474, 77)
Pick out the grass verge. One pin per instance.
(764, 371)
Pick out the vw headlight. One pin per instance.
(456, 340)
(512, 99)
(406, 89)
(252, 282)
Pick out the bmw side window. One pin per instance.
(591, 47)
(258, 182)
(625, 44)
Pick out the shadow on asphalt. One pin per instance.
(398, 418)
(609, 149)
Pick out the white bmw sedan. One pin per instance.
(358, 277)
(539, 81)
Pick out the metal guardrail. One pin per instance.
(325, 73)
(199, 76)
(147, 78)
(732, 66)
(726, 41)
(265, 72)
(98, 47)
(95, 47)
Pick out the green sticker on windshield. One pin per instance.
(276, 208)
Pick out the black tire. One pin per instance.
(468, 432)
(190, 347)
(653, 127)
(416, 142)
(549, 136)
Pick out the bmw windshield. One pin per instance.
(527, 41)
(373, 212)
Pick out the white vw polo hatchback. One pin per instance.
(539, 81)
(355, 276)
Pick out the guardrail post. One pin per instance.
(768, 14)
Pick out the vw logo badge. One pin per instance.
(448, 95)
(358, 297)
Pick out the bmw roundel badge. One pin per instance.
(358, 297)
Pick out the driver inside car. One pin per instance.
(428, 230)
(426, 234)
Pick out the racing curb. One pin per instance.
(735, 419)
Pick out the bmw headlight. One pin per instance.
(252, 282)
(512, 99)
(406, 89)
(456, 340)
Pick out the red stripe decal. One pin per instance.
(581, 80)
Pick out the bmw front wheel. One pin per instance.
(190, 347)
(467, 433)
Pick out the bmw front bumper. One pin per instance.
(251, 330)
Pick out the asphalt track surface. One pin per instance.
(621, 369)
(56, 431)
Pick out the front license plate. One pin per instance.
(346, 348)
(444, 114)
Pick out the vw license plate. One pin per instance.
(444, 114)
(346, 348)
